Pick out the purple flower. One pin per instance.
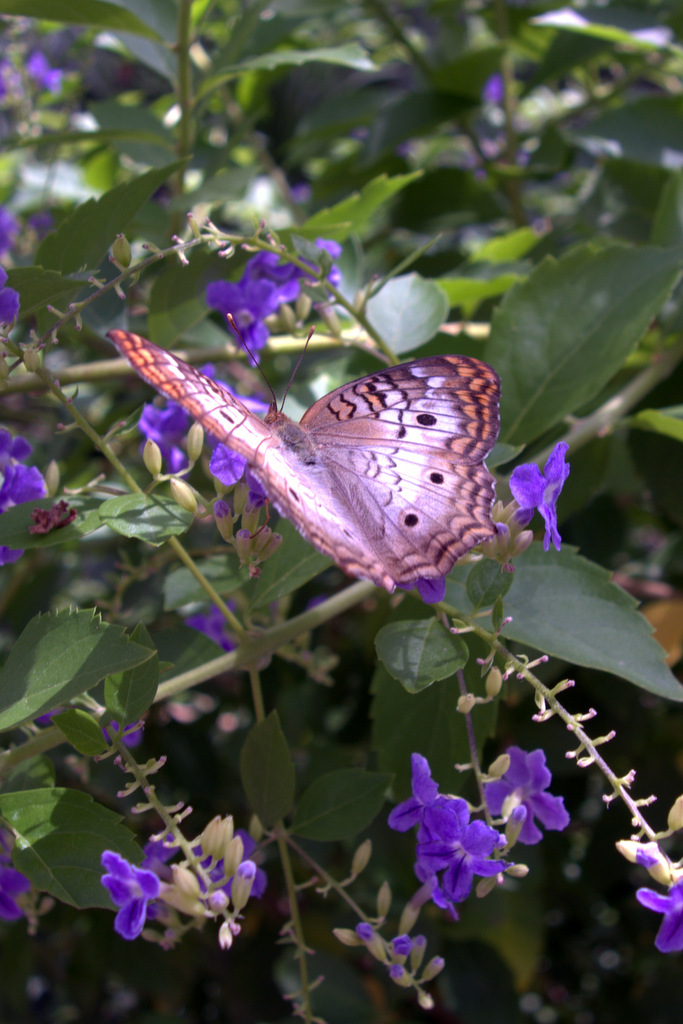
(12, 884)
(528, 778)
(401, 945)
(9, 229)
(131, 889)
(364, 931)
(19, 484)
(267, 266)
(260, 877)
(535, 490)
(457, 847)
(430, 590)
(132, 734)
(249, 302)
(167, 427)
(9, 299)
(41, 221)
(425, 794)
(40, 70)
(213, 625)
(670, 935)
(228, 466)
(493, 90)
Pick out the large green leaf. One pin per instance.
(566, 606)
(560, 336)
(61, 835)
(82, 239)
(177, 300)
(38, 287)
(353, 213)
(58, 656)
(267, 771)
(149, 517)
(648, 131)
(340, 804)
(418, 652)
(407, 312)
(127, 695)
(93, 13)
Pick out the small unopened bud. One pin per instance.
(517, 870)
(195, 441)
(515, 824)
(239, 498)
(120, 250)
(521, 543)
(223, 515)
(675, 818)
(434, 967)
(346, 936)
(261, 539)
(216, 836)
(32, 359)
(243, 545)
(242, 884)
(466, 703)
(185, 881)
(407, 920)
(183, 495)
(52, 478)
(287, 318)
(274, 542)
(486, 885)
(372, 942)
(151, 456)
(361, 858)
(217, 901)
(225, 937)
(511, 801)
(384, 900)
(303, 305)
(494, 682)
(255, 828)
(501, 764)
(234, 852)
(4, 368)
(417, 952)
(250, 519)
(650, 857)
(400, 976)
(331, 320)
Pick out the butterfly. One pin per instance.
(385, 474)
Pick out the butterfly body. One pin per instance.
(385, 474)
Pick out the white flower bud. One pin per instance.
(183, 495)
(151, 456)
(675, 818)
(195, 441)
(501, 764)
(361, 858)
(384, 900)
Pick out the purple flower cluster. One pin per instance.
(265, 285)
(524, 784)
(12, 882)
(451, 850)
(42, 73)
(167, 426)
(670, 935)
(213, 625)
(134, 890)
(19, 483)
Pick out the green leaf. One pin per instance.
(407, 312)
(177, 300)
(469, 292)
(36, 773)
(513, 245)
(468, 73)
(418, 652)
(559, 337)
(149, 517)
(222, 572)
(16, 522)
(93, 13)
(621, 26)
(127, 695)
(647, 131)
(667, 226)
(61, 835)
(659, 422)
(353, 214)
(428, 723)
(566, 606)
(38, 287)
(59, 656)
(293, 564)
(81, 241)
(81, 730)
(267, 771)
(340, 804)
(351, 55)
(486, 582)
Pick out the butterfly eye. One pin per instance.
(410, 519)
(436, 478)
(425, 419)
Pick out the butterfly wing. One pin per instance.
(207, 402)
(405, 450)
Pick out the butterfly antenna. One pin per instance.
(231, 320)
(296, 368)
